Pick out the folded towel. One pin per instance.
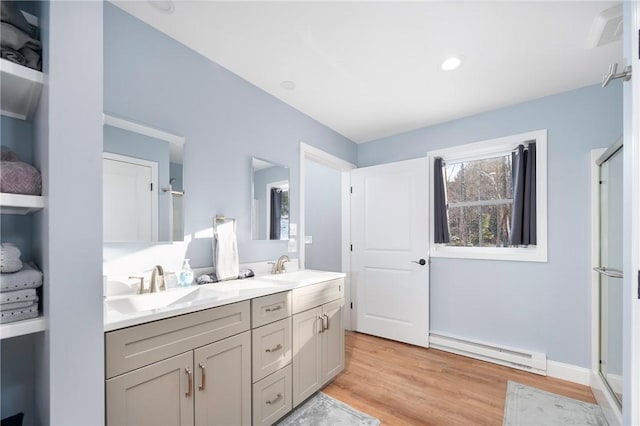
(227, 260)
(18, 305)
(18, 314)
(13, 56)
(19, 41)
(27, 277)
(18, 296)
(17, 177)
(9, 258)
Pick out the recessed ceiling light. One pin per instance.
(165, 6)
(288, 85)
(451, 63)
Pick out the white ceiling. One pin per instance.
(372, 69)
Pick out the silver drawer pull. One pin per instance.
(204, 376)
(274, 400)
(190, 384)
(277, 348)
(277, 308)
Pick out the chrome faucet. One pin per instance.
(278, 267)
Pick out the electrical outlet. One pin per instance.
(308, 239)
(293, 229)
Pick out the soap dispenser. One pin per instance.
(186, 274)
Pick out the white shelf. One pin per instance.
(20, 204)
(20, 328)
(21, 87)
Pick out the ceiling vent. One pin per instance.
(606, 27)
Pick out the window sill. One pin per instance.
(518, 254)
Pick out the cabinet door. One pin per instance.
(307, 352)
(332, 340)
(158, 394)
(223, 382)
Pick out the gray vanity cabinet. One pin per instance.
(186, 370)
(157, 394)
(318, 337)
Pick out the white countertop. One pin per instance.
(130, 310)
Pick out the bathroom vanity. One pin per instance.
(234, 353)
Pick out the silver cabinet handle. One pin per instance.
(321, 324)
(325, 322)
(609, 272)
(277, 348)
(274, 400)
(277, 308)
(204, 376)
(190, 384)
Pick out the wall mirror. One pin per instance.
(269, 200)
(142, 183)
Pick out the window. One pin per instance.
(479, 201)
(479, 195)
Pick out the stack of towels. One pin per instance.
(18, 38)
(18, 284)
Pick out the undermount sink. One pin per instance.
(147, 302)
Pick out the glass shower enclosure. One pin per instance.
(610, 270)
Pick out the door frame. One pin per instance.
(154, 181)
(308, 152)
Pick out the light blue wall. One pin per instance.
(323, 217)
(538, 306)
(119, 141)
(154, 79)
(260, 180)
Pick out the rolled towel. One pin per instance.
(13, 56)
(9, 258)
(28, 277)
(18, 296)
(16, 39)
(17, 177)
(19, 314)
(18, 305)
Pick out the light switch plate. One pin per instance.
(293, 229)
(308, 239)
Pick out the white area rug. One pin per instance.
(322, 410)
(530, 406)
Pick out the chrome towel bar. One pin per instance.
(609, 272)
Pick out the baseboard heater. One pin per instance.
(510, 357)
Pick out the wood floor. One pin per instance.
(406, 385)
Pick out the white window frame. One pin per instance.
(488, 149)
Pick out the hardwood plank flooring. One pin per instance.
(402, 384)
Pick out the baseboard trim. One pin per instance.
(568, 372)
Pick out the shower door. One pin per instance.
(610, 270)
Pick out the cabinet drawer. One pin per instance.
(271, 348)
(272, 397)
(317, 294)
(135, 347)
(270, 308)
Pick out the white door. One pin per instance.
(389, 229)
(130, 199)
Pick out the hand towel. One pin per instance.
(28, 277)
(227, 260)
(9, 258)
(17, 296)
(19, 314)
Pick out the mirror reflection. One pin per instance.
(269, 200)
(142, 183)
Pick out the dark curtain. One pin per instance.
(523, 214)
(275, 214)
(440, 223)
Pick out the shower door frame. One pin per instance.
(600, 389)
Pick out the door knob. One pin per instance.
(420, 262)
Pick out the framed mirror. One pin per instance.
(142, 183)
(269, 200)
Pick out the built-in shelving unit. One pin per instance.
(20, 204)
(19, 328)
(21, 87)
